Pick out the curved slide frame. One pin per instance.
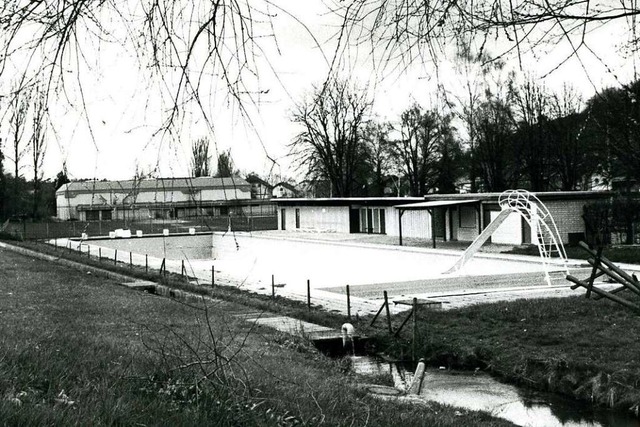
(543, 229)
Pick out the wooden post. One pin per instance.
(348, 304)
(273, 286)
(404, 322)
(164, 267)
(55, 243)
(377, 314)
(594, 271)
(88, 251)
(400, 213)
(146, 263)
(182, 269)
(432, 214)
(213, 276)
(308, 294)
(115, 257)
(130, 259)
(386, 304)
(100, 254)
(413, 343)
(606, 294)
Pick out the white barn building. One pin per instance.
(150, 198)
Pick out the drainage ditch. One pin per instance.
(479, 391)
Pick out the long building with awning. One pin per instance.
(436, 217)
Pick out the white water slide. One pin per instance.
(544, 232)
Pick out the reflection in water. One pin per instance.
(481, 392)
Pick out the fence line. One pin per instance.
(56, 229)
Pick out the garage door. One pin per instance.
(510, 231)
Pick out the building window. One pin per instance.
(467, 217)
(93, 215)
(372, 220)
(297, 218)
(106, 215)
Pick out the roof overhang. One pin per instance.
(345, 201)
(434, 204)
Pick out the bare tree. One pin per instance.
(494, 126)
(532, 111)
(330, 144)
(416, 149)
(378, 152)
(19, 108)
(413, 30)
(38, 145)
(574, 155)
(3, 185)
(200, 158)
(614, 116)
(225, 165)
(187, 49)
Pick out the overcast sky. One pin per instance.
(124, 111)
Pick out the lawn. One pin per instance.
(80, 349)
(575, 346)
(623, 254)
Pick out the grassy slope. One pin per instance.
(583, 348)
(78, 349)
(623, 254)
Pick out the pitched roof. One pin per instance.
(286, 185)
(256, 179)
(157, 184)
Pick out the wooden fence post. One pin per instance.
(100, 254)
(348, 304)
(146, 263)
(213, 276)
(273, 286)
(115, 257)
(308, 294)
(413, 342)
(130, 259)
(386, 304)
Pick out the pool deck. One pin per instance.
(366, 297)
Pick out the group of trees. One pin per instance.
(201, 161)
(518, 135)
(25, 148)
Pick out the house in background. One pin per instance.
(314, 188)
(161, 198)
(260, 189)
(458, 217)
(284, 189)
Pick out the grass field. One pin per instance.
(582, 348)
(623, 254)
(79, 349)
(578, 347)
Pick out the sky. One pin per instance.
(110, 129)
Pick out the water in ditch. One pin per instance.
(479, 391)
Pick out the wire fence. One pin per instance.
(25, 230)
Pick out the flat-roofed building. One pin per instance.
(458, 217)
